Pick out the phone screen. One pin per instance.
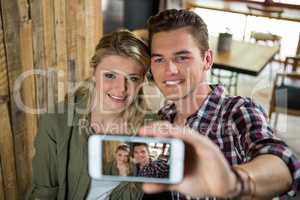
(136, 159)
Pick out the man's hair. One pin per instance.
(173, 19)
(139, 144)
(136, 144)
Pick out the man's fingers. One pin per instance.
(165, 129)
(152, 188)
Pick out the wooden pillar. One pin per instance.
(11, 26)
(7, 155)
(8, 182)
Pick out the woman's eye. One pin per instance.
(109, 75)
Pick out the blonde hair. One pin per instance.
(124, 43)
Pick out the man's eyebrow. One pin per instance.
(176, 53)
(156, 55)
(182, 52)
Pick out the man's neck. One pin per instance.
(190, 104)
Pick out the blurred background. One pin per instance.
(45, 48)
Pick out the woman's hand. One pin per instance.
(206, 173)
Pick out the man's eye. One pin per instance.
(158, 60)
(134, 78)
(109, 75)
(181, 58)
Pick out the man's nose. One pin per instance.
(171, 67)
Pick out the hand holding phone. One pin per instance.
(207, 173)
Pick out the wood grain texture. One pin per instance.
(2, 195)
(90, 37)
(3, 66)
(11, 27)
(37, 17)
(80, 40)
(7, 155)
(29, 89)
(49, 33)
(61, 46)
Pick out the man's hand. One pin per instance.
(207, 172)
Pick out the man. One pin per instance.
(231, 149)
(145, 166)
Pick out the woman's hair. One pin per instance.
(121, 43)
(122, 147)
(124, 43)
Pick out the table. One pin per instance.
(241, 8)
(243, 57)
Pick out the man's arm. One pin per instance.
(272, 163)
(270, 175)
(209, 174)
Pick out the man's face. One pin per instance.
(141, 155)
(176, 63)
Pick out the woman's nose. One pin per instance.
(122, 84)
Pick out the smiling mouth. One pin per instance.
(117, 99)
(172, 83)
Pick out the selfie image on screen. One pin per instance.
(136, 159)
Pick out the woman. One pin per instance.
(60, 168)
(121, 165)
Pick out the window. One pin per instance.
(290, 2)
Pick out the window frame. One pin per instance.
(283, 5)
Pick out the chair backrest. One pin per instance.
(293, 61)
(266, 37)
(267, 11)
(298, 47)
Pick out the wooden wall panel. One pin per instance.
(2, 197)
(59, 34)
(49, 33)
(7, 155)
(11, 27)
(61, 46)
(80, 41)
(38, 33)
(28, 88)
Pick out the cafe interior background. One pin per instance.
(256, 45)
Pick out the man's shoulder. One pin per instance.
(236, 103)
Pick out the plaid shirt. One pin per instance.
(155, 169)
(240, 128)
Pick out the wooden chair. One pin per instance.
(264, 37)
(286, 91)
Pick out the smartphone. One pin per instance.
(135, 159)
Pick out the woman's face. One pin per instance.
(122, 157)
(118, 80)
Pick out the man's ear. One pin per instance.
(208, 60)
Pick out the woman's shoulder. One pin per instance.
(151, 117)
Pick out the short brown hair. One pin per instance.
(173, 19)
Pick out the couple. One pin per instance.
(231, 149)
(143, 164)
